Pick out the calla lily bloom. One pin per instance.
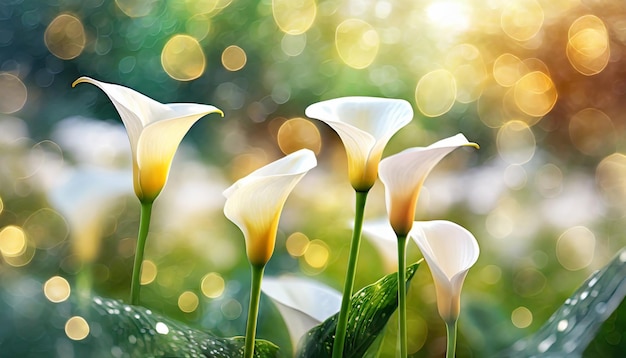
(303, 303)
(255, 202)
(155, 131)
(365, 125)
(403, 175)
(450, 251)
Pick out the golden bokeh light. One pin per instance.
(575, 248)
(357, 43)
(297, 244)
(521, 20)
(13, 93)
(298, 133)
(56, 289)
(610, 175)
(182, 58)
(435, 93)
(47, 228)
(592, 132)
(136, 8)
(468, 68)
(491, 274)
(521, 317)
(294, 17)
(508, 69)
(513, 111)
(65, 37)
(148, 272)
(12, 241)
(188, 302)
(77, 328)
(535, 94)
(212, 285)
(317, 254)
(516, 142)
(588, 48)
(234, 58)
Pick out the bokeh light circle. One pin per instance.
(298, 133)
(294, 17)
(508, 69)
(435, 93)
(212, 285)
(188, 301)
(77, 328)
(575, 248)
(466, 64)
(610, 175)
(535, 94)
(56, 289)
(357, 43)
(148, 272)
(182, 58)
(234, 58)
(588, 48)
(13, 93)
(516, 142)
(65, 37)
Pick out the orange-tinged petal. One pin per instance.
(255, 202)
(403, 175)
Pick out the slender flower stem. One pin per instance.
(342, 321)
(402, 294)
(451, 331)
(144, 225)
(253, 310)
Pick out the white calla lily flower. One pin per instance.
(254, 203)
(303, 303)
(450, 251)
(404, 173)
(365, 125)
(155, 131)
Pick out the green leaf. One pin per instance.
(570, 329)
(370, 310)
(32, 326)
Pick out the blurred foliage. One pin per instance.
(544, 195)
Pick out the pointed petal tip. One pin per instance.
(81, 80)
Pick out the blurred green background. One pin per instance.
(539, 84)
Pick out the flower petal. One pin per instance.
(254, 203)
(384, 239)
(303, 303)
(450, 251)
(158, 143)
(404, 173)
(365, 125)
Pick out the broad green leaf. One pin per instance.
(370, 310)
(570, 329)
(32, 326)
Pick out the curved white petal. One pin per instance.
(154, 129)
(404, 173)
(158, 143)
(254, 203)
(303, 303)
(365, 125)
(450, 251)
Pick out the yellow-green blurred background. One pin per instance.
(539, 84)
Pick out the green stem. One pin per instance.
(451, 331)
(342, 321)
(253, 310)
(402, 294)
(144, 225)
